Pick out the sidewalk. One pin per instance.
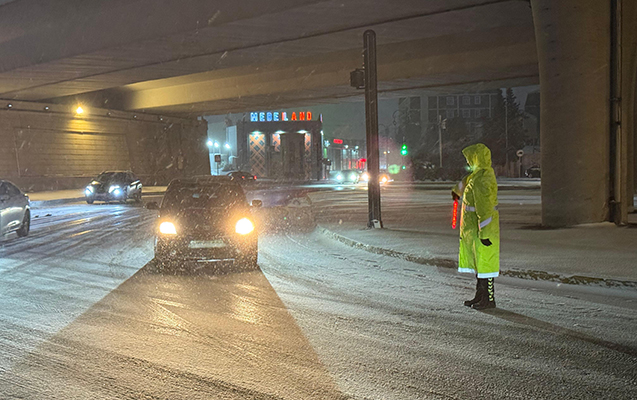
(602, 253)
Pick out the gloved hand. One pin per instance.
(486, 242)
(454, 195)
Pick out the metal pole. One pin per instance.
(440, 137)
(371, 121)
(506, 131)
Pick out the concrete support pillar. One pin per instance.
(573, 47)
(629, 94)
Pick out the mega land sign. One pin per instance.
(276, 116)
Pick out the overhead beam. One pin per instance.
(402, 66)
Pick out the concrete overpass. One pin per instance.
(163, 57)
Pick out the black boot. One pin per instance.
(478, 296)
(488, 299)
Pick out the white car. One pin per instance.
(15, 212)
(346, 176)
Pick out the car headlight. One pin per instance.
(383, 179)
(339, 177)
(365, 176)
(113, 188)
(353, 177)
(244, 226)
(89, 190)
(167, 228)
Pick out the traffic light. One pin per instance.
(403, 150)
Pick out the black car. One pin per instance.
(533, 172)
(206, 218)
(15, 213)
(242, 176)
(114, 186)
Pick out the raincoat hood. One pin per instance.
(478, 156)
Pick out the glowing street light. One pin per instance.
(209, 143)
(79, 110)
(227, 145)
(217, 145)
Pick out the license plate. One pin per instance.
(206, 244)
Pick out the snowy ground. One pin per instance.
(86, 314)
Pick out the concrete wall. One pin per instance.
(49, 147)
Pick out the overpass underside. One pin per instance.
(220, 57)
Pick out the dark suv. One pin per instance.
(206, 218)
(114, 186)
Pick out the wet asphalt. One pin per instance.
(86, 312)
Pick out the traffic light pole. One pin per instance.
(371, 122)
(440, 137)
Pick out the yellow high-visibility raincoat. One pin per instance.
(480, 216)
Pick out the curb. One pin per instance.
(437, 261)
(453, 264)
(57, 202)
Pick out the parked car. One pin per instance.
(533, 172)
(15, 210)
(114, 186)
(206, 218)
(242, 176)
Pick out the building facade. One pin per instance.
(280, 146)
(470, 107)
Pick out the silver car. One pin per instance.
(15, 213)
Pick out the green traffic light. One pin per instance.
(403, 150)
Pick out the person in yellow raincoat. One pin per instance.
(479, 225)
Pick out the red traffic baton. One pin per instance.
(454, 215)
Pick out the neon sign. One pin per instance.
(277, 116)
(338, 141)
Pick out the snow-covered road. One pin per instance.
(85, 313)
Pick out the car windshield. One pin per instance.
(202, 197)
(111, 176)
